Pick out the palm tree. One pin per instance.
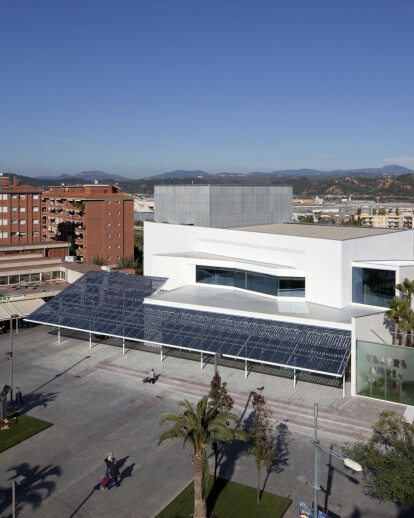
(406, 287)
(396, 309)
(407, 325)
(401, 313)
(199, 426)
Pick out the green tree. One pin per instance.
(407, 289)
(198, 426)
(98, 260)
(308, 219)
(261, 437)
(401, 313)
(127, 262)
(220, 399)
(387, 459)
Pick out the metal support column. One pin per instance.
(14, 498)
(316, 487)
(90, 340)
(58, 335)
(343, 386)
(245, 369)
(10, 355)
(294, 378)
(17, 324)
(123, 345)
(161, 354)
(201, 362)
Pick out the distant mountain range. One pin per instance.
(85, 175)
(181, 173)
(386, 170)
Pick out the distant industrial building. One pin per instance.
(222, 206)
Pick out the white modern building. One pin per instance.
(337, 278)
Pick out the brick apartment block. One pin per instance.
(98, 220)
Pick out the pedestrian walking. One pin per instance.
(111, 457)
(19, 399)
(113, 472)
(152, 376)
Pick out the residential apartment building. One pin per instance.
(20, 212)
(97, 220)
(398, 218)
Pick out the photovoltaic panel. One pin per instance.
(112, 303)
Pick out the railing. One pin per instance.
(298, 292)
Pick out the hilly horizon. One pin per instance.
(392, 169)
(85, 175)
(388, 169)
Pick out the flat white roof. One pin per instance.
(238, 302)
(319, 231)
(388, 263)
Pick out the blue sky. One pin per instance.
(140, 87)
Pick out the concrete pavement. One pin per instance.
(98, 403)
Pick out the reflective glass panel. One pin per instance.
(385, 372)
(373, 287)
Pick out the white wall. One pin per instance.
(320, 258)
(327, 263)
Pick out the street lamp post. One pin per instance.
(11, 354)
(18, 480)
(349, 463)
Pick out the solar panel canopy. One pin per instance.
(113, 304)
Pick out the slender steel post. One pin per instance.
(11, 358)
(343, 386)
(14, 498)
(316, 479)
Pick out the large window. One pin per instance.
(251, 281)
(385, 372)
(373, 287)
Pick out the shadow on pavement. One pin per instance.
(33, 400)
(58, 374)
(282, 448)
(127, 472)
(32, 491)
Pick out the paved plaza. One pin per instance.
(98, 403)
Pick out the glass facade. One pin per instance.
(385, 372)
(372, 287)
(251, 281)
(32, 277)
